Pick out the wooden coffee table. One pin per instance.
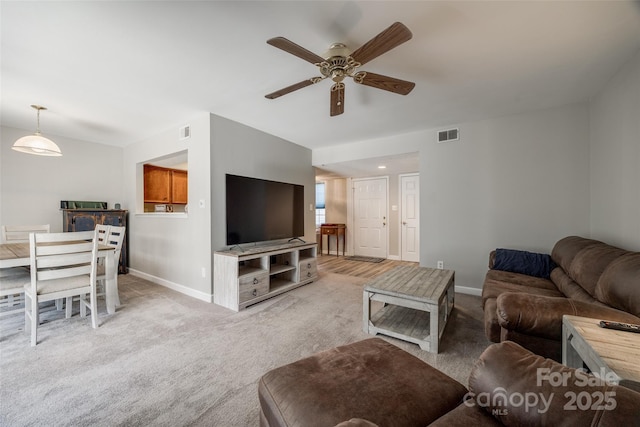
(608, 353)
(417, 304)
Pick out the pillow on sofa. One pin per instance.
(523, 262)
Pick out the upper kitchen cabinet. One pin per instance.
(179, 186)
(165, 185)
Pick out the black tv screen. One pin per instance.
(259, 210)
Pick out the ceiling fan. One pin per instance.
(339, 62)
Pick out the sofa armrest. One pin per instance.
(520, 388)
(542, 315)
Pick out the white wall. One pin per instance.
(172, 249)
(519, 181)
(615, 159)
(32, 187)
(241, 150)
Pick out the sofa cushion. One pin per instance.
(494, 286)
(565, 250)
(520, 279)
(589, 263)
(522, 389)
(570, 288)
(619, 284)
(523, 262)
(370, 379)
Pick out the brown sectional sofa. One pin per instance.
(591, 279)
(373, 383)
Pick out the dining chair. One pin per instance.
(11, 292)
(62, 265)
(12, 283)
(20, 233)
(115, 239)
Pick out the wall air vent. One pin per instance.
(448, 135)
(185, 132)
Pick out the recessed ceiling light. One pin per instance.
(382, 167)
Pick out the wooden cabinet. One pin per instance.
(245, 277)
(179, 187)
(164, 185)
(86, 219)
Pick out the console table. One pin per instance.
(334, 230)
(606, 352)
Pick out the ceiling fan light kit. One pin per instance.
(339, 62)
(36, 143)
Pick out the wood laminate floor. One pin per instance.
(341, 265)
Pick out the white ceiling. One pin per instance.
(117, 72)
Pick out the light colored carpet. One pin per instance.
(165, 359)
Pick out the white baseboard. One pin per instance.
(174, 286)
(469, 291)
(394, 257)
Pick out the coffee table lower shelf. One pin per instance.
(403, 323)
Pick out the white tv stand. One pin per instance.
(247, 276)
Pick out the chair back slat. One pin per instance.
(66, 237)
(20, 233)
(63, 248)
(60, 273)
(62, 260)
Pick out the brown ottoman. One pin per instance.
(370, 379)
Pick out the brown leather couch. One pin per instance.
(592, 279)
(373, 383)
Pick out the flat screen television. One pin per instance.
(259, 210)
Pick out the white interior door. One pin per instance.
(370, 217)
(410, 218)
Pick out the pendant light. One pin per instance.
(36, 143)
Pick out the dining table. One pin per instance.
(17, 255)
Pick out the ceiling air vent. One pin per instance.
(449, 135)
(185, 132)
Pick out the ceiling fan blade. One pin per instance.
(379, 81)
(337, 99)
(392, 37)
(294, 87)
(294, 49)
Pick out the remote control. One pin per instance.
(627, 327)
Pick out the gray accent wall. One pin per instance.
(240, 150)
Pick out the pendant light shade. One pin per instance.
(36, 143)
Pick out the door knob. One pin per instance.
(404, 223)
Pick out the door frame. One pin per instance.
(400, 176)
(351, 213)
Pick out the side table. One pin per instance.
(606, 352)
(334, 230)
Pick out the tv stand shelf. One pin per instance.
(248, 276)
